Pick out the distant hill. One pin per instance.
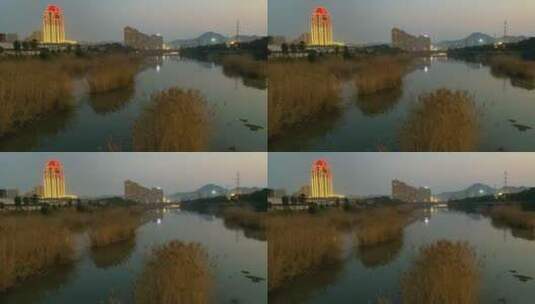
(210, 191)
(477, 190)
(477, 39)
(209, 38)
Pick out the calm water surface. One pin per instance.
(112, 270)
(376, 272)
(99, 119)
(373, 123)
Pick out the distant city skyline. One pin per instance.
(364, 21)
(98, 174)
(367, 174)
(104, 20)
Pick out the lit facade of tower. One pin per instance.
(53, 180)
(321, 32)
(321, 182)
(53, 25)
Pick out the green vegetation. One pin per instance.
(443, 272)
(175, 120)
(29, 244)
(175, 273)
(441, 121)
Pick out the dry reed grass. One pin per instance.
(512, 66)
(244, 65)
(245, 218)
(111, 73)
(379, 73)
(380, 225)
(175, 273)
(29, 244)
(113, 225)
(175, 120)
(29, 89)
(514, 216)
(299, 243)
(299, 92)
(443, 272)
(442, 121)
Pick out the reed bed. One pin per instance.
(245, 218)
(514, 216)
(111, 73)
(442, 121)
(176, 272)
(113, 225)
(443, 272)
(299, 243)
(175, 120)
(30, 89)
(513, 66)
(378, 74)
(244, 65)
(299, 92)
(29, 244)
(380, 225)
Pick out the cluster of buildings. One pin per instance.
(410, 43)
(409, 194)
(140, 194)
(141, 41)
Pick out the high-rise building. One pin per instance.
(409, 194)
(410, 43)
(321, 182)
(137, 193)
(53, 180)
(321, 31)
(140, 41)
(53, 25)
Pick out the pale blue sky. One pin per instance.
(372, 173)
(366, 21)
(94, 174)
(99, 20)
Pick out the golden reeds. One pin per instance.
(175, 120)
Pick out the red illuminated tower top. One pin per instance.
(54, 166)
(321, 165)
(54, 9)
(321, 11)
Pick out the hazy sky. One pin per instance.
(372, 173)
(93, 174)
(366, 21)
(99, 20)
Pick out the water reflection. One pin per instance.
(525, 234)
(29, 137)
(112, 255)
(377, 104)
(110, 102)
(379, 255)
(41, 286)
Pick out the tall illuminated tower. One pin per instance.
(321, 182)
(321, 32)
(53, 25)
(53, 180)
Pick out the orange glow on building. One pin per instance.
(53, 25)
(53, 180)
(321, 32)
(321, 182)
